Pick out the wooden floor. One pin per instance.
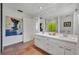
(23, 49)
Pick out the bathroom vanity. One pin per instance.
(58, 44)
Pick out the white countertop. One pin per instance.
(59, 36)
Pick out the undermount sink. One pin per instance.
(64, 35)
(68, 36)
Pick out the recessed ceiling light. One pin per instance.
(40, 17)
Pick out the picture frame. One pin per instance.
(14, 26)
(67, 24)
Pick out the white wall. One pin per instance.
(29, 28)
(75, 23)
(27, 34)
(59, 24)
(37, 24)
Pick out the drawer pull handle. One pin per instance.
(61, 47)
(68, 49)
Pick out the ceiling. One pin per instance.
(45, 10)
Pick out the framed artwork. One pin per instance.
(41, 26)
(14, 26)
(67, 24)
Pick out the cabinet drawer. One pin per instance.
(55, 49)
(61, 43)
(69, 52)
(57, 42)
(69, 45)
(40, 37)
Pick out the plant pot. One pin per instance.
(52, 33)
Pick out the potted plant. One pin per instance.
(52, 26)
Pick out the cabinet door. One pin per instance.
(69, 48)
(40, 42)
(37, 42)
(54, 49)
(43, 43)
(57, 50)
(69, 51)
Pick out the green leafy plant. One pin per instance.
(52, 26)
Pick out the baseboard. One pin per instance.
(12, 44)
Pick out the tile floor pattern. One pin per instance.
(23, 49)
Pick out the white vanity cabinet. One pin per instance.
(55, 46)
(62, 47)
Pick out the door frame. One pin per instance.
(1, 26)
